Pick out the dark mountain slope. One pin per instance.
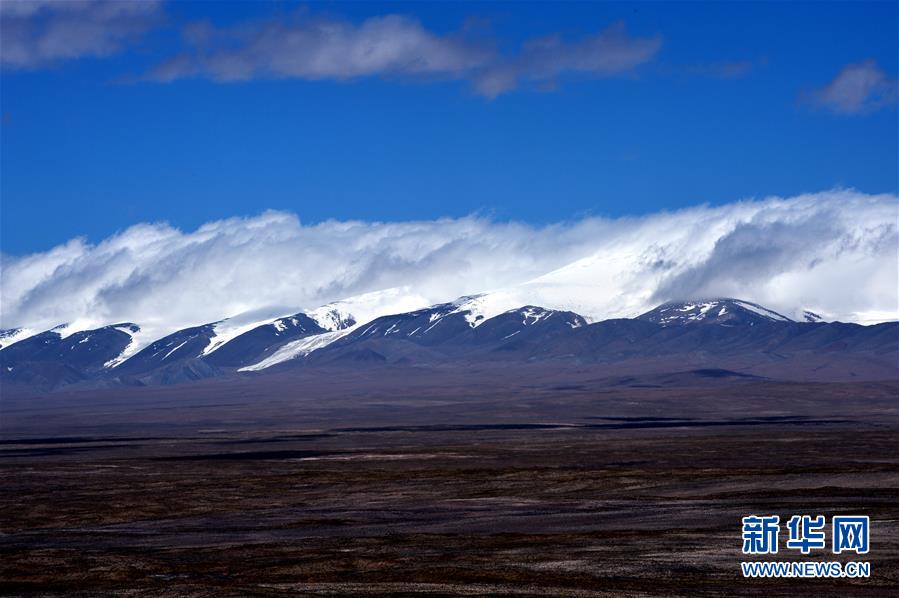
(255, 345)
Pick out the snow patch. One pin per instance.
(166, 356)
(70, 328)
(342, 314)
(299, 348)
(130, 349)
(11, 337)
(477, 309)
(758, 309)
(532, 315)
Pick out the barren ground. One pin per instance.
(590, 490)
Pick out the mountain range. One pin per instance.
(729, 334)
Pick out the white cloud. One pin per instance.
(38, 33)
(858, 89)
(300, 45)
(318, 48)
(832, 252)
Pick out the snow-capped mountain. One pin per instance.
(432, 325)
(470, 329)
(446, 332)
(743, 333)
(461, 322)
(524, 323)
(260, 341)
(726, 312)
(51, 355)
(87, 348)
(211, 349)
(187, 344)
(424, 323)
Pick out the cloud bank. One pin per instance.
(833, 252)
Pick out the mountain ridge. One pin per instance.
(456, 332)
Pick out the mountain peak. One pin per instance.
(723, 311)
(331, 317)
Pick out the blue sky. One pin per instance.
(192, 112)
